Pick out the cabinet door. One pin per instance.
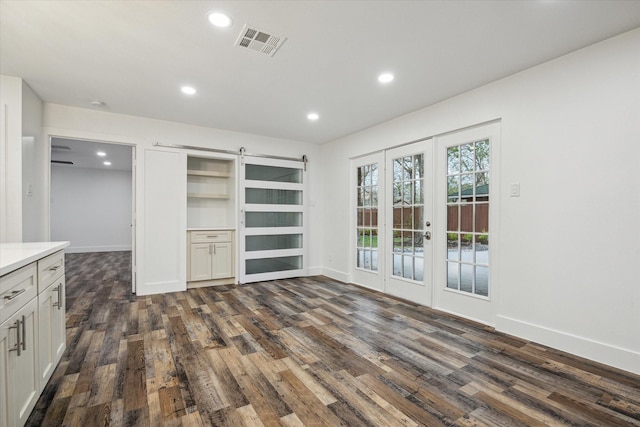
(222, 260)
(7, 341)
(51, 330)
(200, 261)
(23, 369)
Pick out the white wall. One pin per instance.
(70, 122)
(568, 272)
(10, 159)
(34, 167)
(91, 208)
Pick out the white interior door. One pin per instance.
(367, 213)
(134, 268)
(466, 192)
(164, 214)
(272, 241)
(409, 222)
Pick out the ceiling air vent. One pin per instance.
(259, 41)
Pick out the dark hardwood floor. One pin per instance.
(305, 352)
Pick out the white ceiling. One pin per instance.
(135, 55)
(83, 154)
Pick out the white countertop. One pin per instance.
(16, 255)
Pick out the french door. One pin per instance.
(425, 217)
(272, 238)
(467, 179)
(408, 217)
(368, 195)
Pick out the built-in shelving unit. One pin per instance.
(210, 192)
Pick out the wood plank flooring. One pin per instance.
(305, 352)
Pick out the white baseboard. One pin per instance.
(621, 358)
(160, 288)
(336, 275)
(83, 249)
(314, 271)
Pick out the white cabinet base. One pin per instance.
(206, 283)
(211, 258)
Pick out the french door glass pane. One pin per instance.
(367, 223)
(453, 273)
(482, 280)
(468, 175)
(268, 265)
(270, 196)
(408, 216)
(273, 173)
(273, 219)
(273, 242)
(419, 268)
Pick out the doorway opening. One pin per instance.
(92, 199)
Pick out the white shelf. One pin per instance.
(210, 191)
(214, 174)
(207, 196)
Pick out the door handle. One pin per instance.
(14, 294)
(427, 235)
(59, 302)
(17, 328)
(24, 334)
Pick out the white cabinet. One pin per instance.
(222, 263)
(200, 261)
(19, 385)
(211, 258)
(32, 332)
(51, 314)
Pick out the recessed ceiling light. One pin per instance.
(101, 153)
(97, 103)
(219, 20)
(385, 78)
(313, 116)
(188, 90)
(107, 163)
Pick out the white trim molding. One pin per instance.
(618, 357)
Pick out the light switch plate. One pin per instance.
(515, 189)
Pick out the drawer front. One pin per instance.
(50, 269)
(16, 289)
(210, 236)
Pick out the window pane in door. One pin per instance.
(453, 247)
(453, 160)
(268, 196)
(482, 218)
(482, 280)
(452, 217)
(466, 277)
(268, 265)
(468, 206)
(467, 160)
(367, 224)
(418, 264)
(273, 242)
(397, 265)
(408, 217)
(273, 173)
(273, 219)
(453, 274)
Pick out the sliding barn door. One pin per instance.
(273, 219)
